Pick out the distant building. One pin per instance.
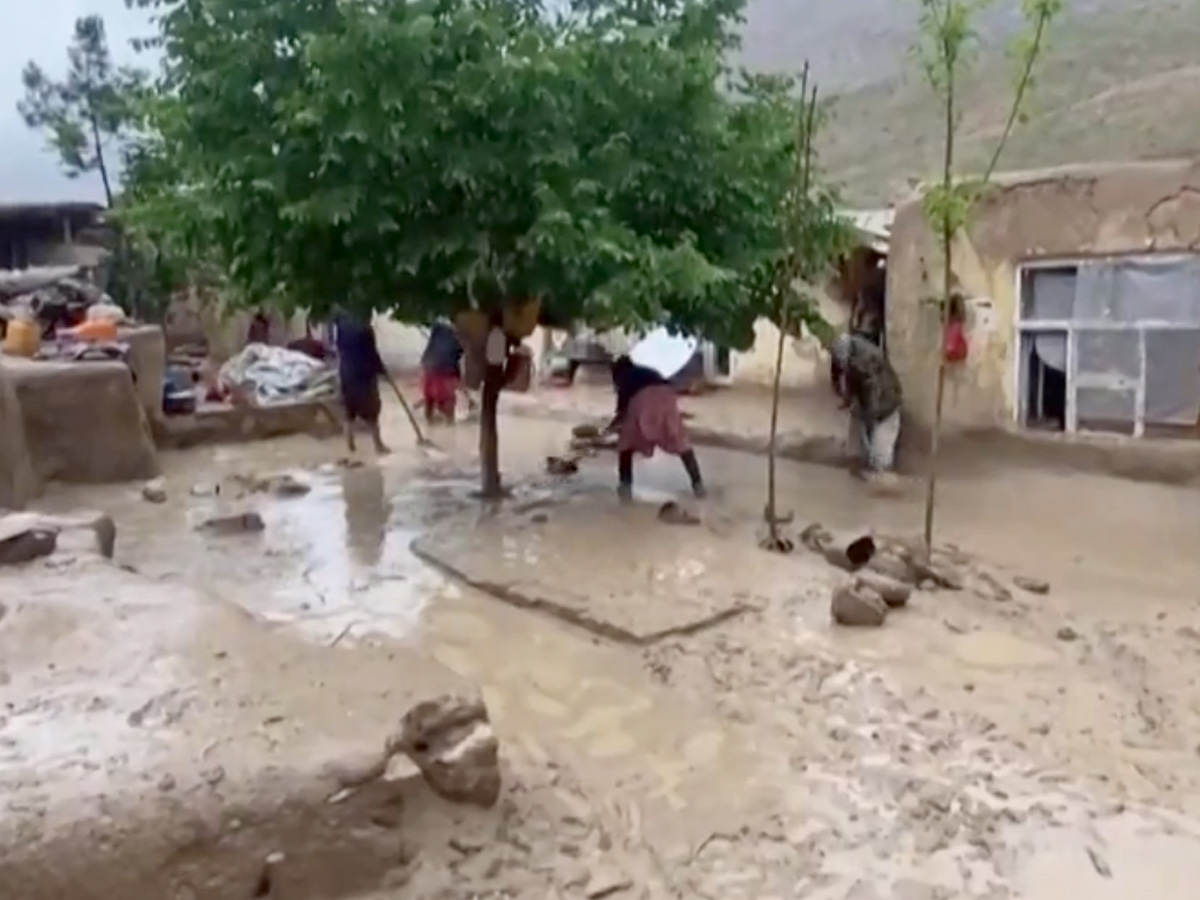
(51, 234)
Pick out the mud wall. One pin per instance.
(77, 422)
(1068, 213)
(18, 482)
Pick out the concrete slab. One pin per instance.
(671, 580)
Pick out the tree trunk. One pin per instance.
(947, 240)
(772, 513)
(489, 437)
(108, 195)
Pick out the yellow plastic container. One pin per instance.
(22, 338)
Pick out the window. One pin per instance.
(1110, 345)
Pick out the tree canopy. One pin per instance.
(418, 157)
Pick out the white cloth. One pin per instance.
(876, 445)
(496, 350)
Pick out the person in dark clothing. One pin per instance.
(440, 373)
(359, 369)
(260, 329)
(648, 419)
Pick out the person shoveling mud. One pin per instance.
(871, 390)
(359, 367)
(648, 419)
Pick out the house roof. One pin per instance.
(873, 227)
(16, 213)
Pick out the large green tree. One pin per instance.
(428, 156)
(87, 111)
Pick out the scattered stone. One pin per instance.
(673, 513)
(27, 545)
(1032, 585)
(100, 530)
(232, 523)
(943, 574)
(891, 566)
(452, 742)
(155, 491)
(561, 465)
(994, 590)
(586, 432)
(166, 784)
(894, 593)
(1067, 633)
(858, 606)
(214, 776)
(605, 883)
(287, 486)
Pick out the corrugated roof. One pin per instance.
(873, 226)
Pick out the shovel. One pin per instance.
(423, 442)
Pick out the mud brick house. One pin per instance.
(1082, 289)
(49, 234)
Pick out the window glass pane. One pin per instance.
(1173, 377)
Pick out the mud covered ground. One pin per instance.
(972, 747)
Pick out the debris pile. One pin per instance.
(55, 297)
(266, 375)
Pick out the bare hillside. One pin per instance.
(1121, 80)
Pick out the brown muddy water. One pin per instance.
(970, 748)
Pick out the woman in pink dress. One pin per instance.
(648, 419)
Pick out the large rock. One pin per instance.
(893, 592)
(451, 741)
(84, 532)
(26, 545)
(858, 606)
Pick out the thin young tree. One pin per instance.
(946, 49)
(88, 110)
(812, 237)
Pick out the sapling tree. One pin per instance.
(811, 237)
(946, 49)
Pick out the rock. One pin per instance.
(672, 513)
(155, 491)
(586, 432)
(1032, 585)
(88, 531)
(894, 593)
(232, 523)
(891, 566)
(941, 573)
(605, 882)
(452, 742)
(1067, 633)
(27, 545)
(561, 465)
(287, 486)
(858, 606)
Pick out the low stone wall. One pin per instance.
(228, 425)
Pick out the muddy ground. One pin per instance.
(677, 715)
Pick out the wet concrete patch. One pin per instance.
(665, 582)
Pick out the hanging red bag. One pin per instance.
(955, 347)
(954, 339)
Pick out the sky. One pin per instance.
(39, 30)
